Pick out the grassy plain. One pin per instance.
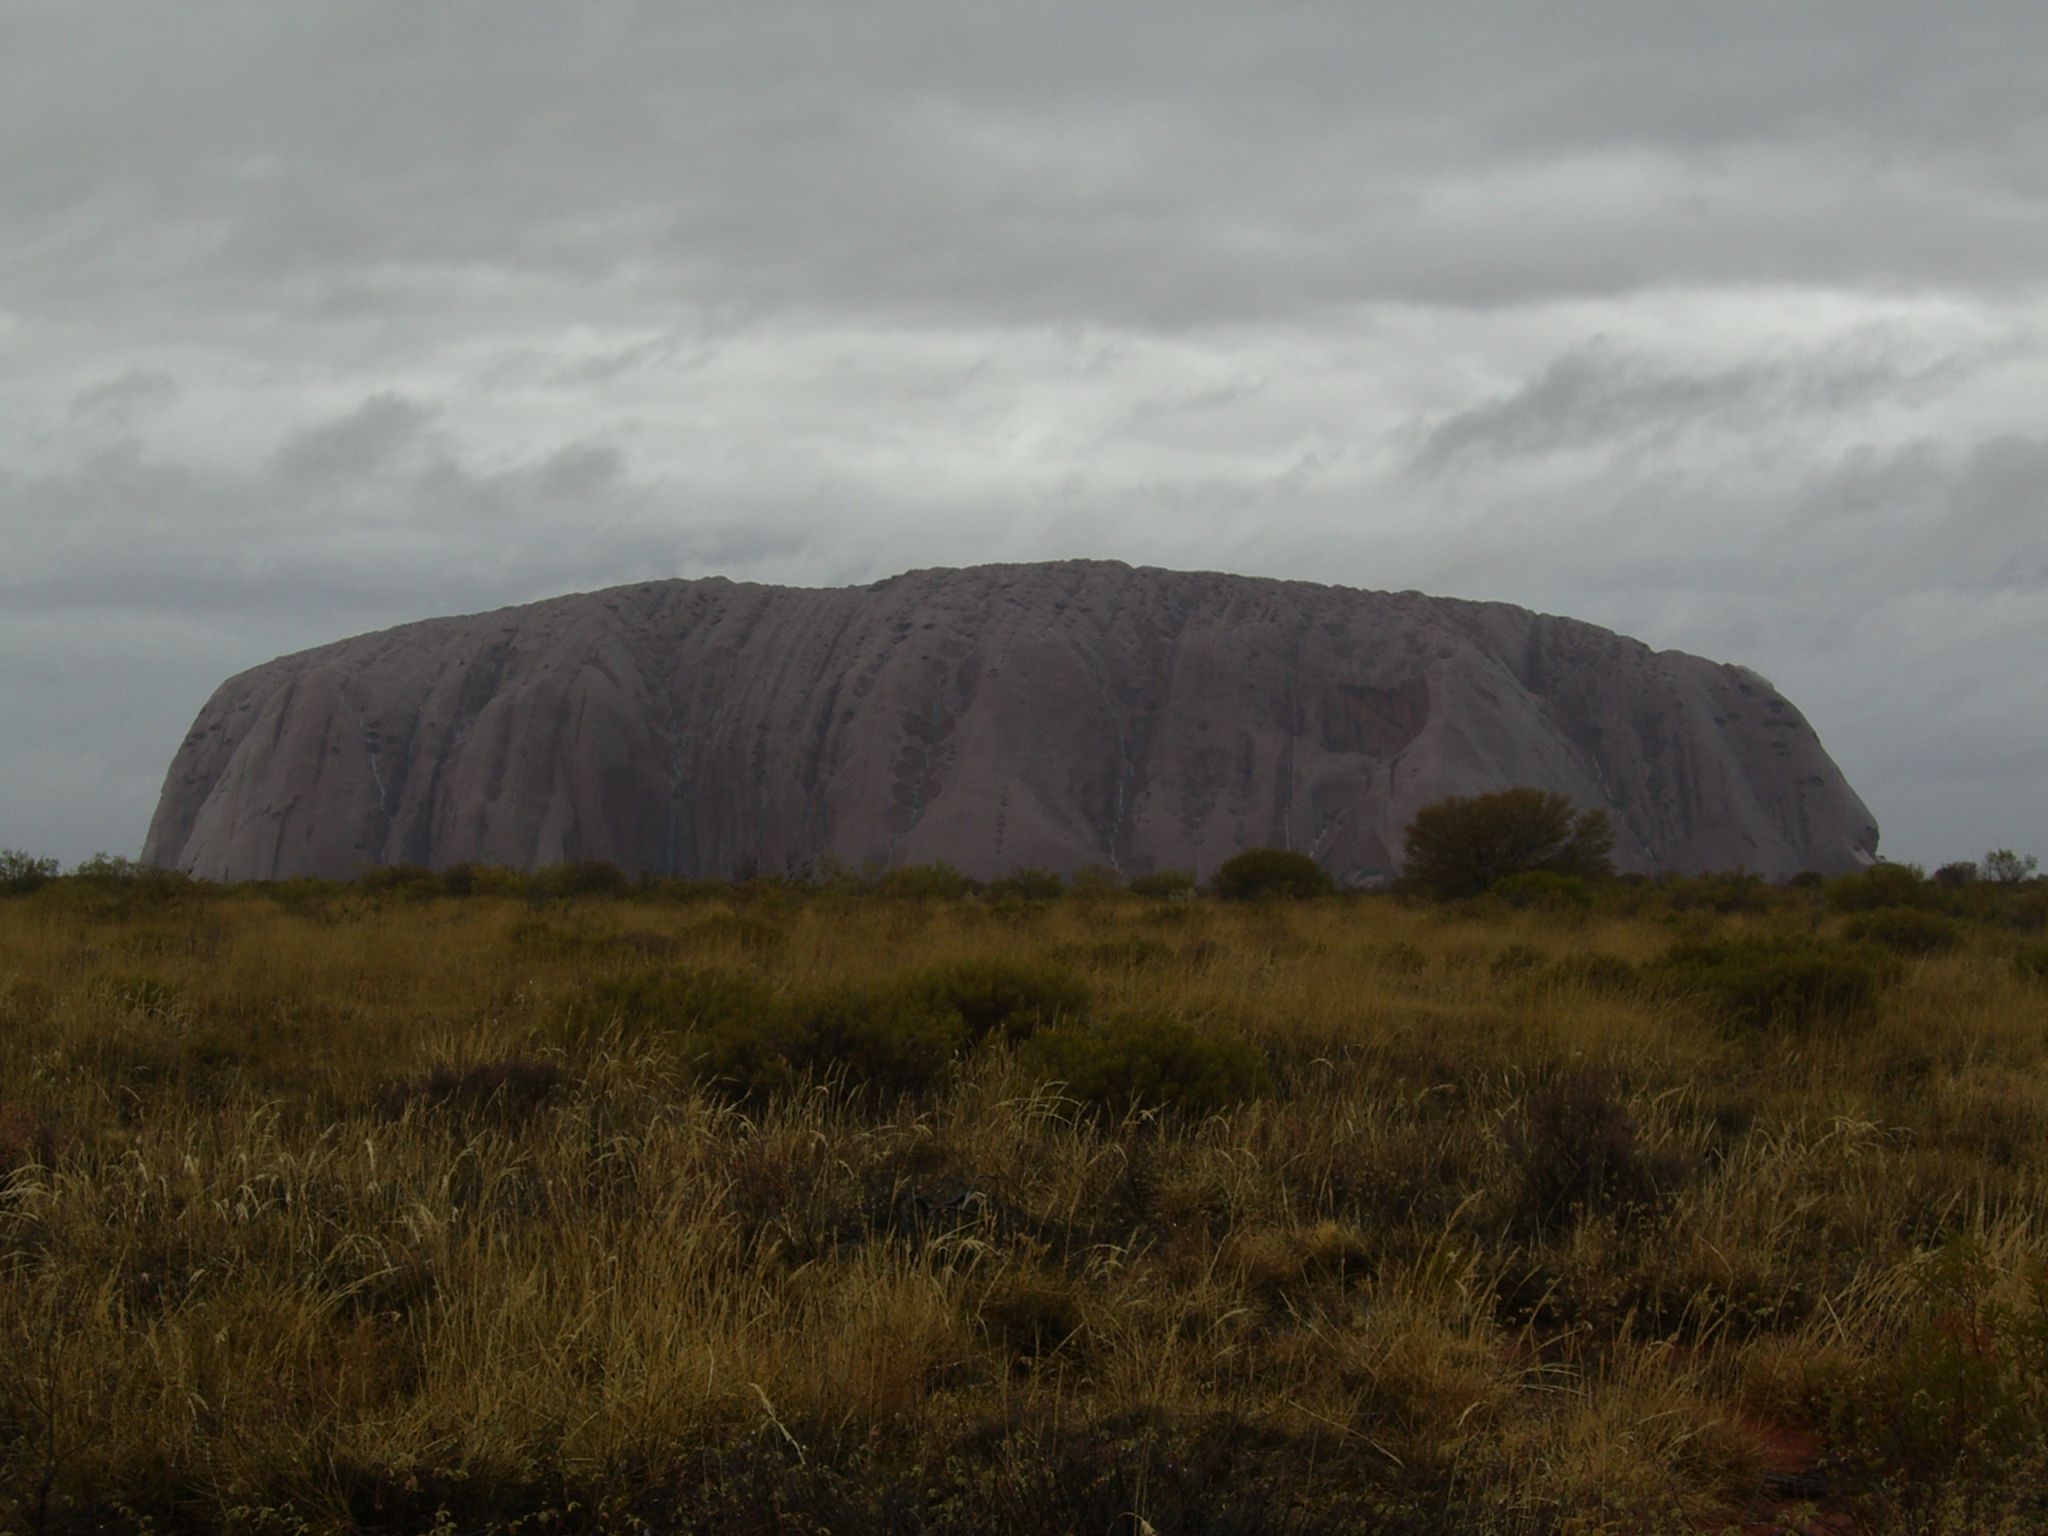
(332, 1209)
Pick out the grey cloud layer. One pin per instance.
(1724, 327)
(1040, 162)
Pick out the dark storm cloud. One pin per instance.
(1723, 326)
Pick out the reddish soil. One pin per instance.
(1796, 1501)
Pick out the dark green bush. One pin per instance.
(1906, 930)
(1003, 997)
(1026, 885)
(106, 889)
(316, 899)
(538, 938)
(2018, 908)
(1727, 893)
(926, 882)
(1260, 874)
(506, 1091)
(2032, 962)
(753, 1056)
(674, 888)
(1163, 885)
(1764, 982)
(729, 930)
(1543, 890)
(411, 881)
(1575, 1148)
(1960, 1399)
(21, 872)
(1883, 885)
(1094, 882)
(677, 1000)
(483, 880)
(729, 1034)
(894, 1038)
(586, 877)
(1147, 1061)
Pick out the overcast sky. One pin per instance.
(1722, 325)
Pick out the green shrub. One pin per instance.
(1094, 882)
(729, 930)
(676, 889)
(1026, 885)
(1883, 885)
(412, 882)
(678, 1002)
(315, 899)
(1906, 930)
(483, 880)
(538, 938)
(21, 873)
(753, 1056)
(1764, 982)
(1961, 1397)
(926, 882)
(1164, 885)
(1543, 890)
(1575, 1148)
(586, 877)
(895, 1038)
(506, 1091)
(1003, 997)
(2032, 962)
(1260, 874)
(1728, 893)
(1147, 1061)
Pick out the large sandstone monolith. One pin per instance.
(1048, 716)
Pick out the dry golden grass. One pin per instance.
(326, 1210)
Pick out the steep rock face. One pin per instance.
(1048, 716)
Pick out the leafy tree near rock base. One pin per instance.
(2009, 868)
(21, 872)
(1463, 845)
